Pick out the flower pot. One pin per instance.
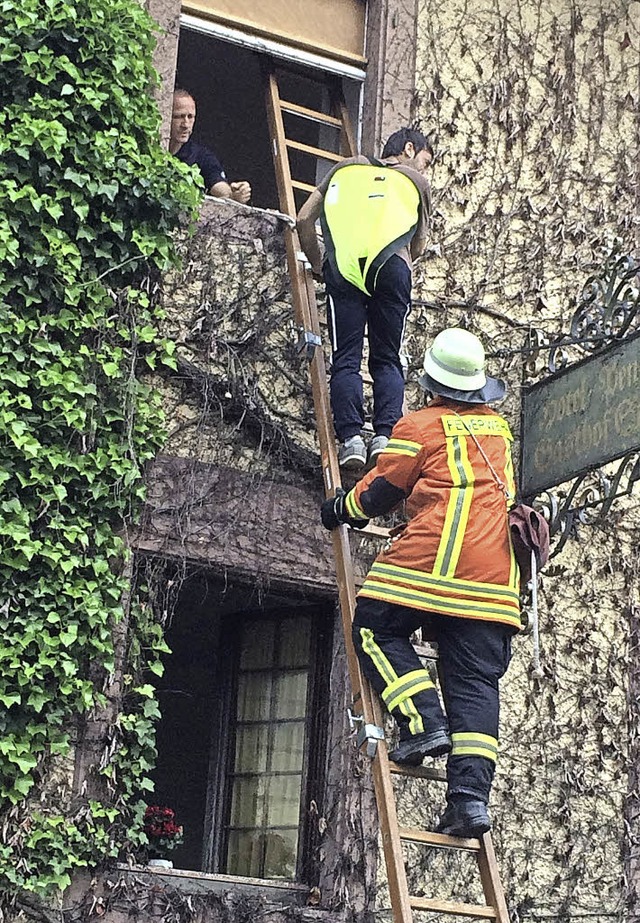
(160, 863)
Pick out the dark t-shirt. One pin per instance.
(191, 152)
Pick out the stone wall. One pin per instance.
(560, 799)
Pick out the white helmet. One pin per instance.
(454, 367)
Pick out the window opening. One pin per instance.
(228, 82)
(241, 740)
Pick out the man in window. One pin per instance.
(182, 145)
(374, 220)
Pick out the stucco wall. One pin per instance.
(536, 110)
(239, 400)
(535, 104)
(560, 799)
(240, 396)
(559, 802)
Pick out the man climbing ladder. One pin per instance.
(374, 216)
(453, 564)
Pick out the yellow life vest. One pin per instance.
(369, 212)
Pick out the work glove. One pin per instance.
(333, 513)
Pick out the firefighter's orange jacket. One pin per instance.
(455, 556)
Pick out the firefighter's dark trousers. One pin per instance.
(384, 313)
(473, 656)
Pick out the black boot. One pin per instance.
(466, 817)
(412, 751)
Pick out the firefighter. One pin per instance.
(451, 568)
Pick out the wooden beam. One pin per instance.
(298, 184)
(204, 10)
(439, 840)
(491, 884)
(432, 773)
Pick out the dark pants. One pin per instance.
(473, 656)
(349, 311)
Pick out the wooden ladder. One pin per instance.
(366, 705)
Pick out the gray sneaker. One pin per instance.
(352, 454)
(377, 445)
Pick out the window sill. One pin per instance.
(212, 200)
(286, 892)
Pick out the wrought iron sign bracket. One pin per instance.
(559, 398)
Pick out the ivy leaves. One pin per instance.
(89, 201)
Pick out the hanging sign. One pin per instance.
(581, 418)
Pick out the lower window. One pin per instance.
(241, 740)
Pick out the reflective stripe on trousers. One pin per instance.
(473, 655)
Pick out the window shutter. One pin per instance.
(335, 28)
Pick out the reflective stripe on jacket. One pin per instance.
(455, 555)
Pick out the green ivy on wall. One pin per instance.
(89, 200)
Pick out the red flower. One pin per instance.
(160, 826)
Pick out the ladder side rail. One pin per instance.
(306, 315)
(348, 144)
(332, 480)
(305, 308)
(369, 704)
(279, 146)
(389, 826)
(490, 878)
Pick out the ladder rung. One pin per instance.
(426, 651)
(432, 773)
(313, 114)
(316, 151)
(299, 185)
(377, 531)
(477, 911)
(439, 840)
